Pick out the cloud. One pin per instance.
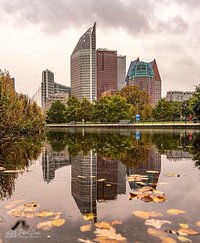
(58, 15)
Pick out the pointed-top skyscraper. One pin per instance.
(83, 66)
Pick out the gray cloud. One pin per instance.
(57, 15)
(54, 16)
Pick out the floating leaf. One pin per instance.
(108, 185)
(198, 223)
(109, 234)
(159, 199)
(13, 203)
(13, 171)
(184, 239)
(57, 222)
(101, 180)
(168, 240)
(146, 215)
(57, 215)
(175, 211)
(187, 232)
(184, 226)
(89, 216)
(157, 233)
(171, 175)
(153, 171)
(44, 213)
(46, 225)
(115, 222)
(103, 225)
(2, 168)
(156, 223)
(85, 228)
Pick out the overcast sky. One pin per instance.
(41, 34)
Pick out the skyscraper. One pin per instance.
(146, 76)
(49, 89)
(121, 71)
(47, 86)
(83, 66)
(106, 71)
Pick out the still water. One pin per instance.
(101, 186)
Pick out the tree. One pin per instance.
(57, 113)
(73, 104)
(135, 96)
(84, 111)
(167, 110)
(18, 113)
(112, 109)
(139, 100)
(195, 102)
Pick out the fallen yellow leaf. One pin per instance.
(168, 240)
(115, 222)
(141, 214)
(171, 175)
(198, 223)
(187, 232)
(153, 171)
(184, 226)
(46, 225)
(85, 241)
(89, 216)
(109, 234)
(103, 225)
(159, 199)
(156, 223)
(85, 228)
(58, 222)
(184, 239)
(44, 213)
(175, 211)
(13, 203)
(146, 215)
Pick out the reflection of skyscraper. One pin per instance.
(111, 179)
(51, 161)
(83, 66)
(151, 163)
(84, 182)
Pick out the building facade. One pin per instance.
(62, 97)
(146, 76)
(47, 86)
(179, 95)
(51, 90)
(121, 72)
(106, 71)
(83, 66)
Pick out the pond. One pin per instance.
(101, 185)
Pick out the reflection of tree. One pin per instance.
(16, 155)
(57, 140)
(195, 150)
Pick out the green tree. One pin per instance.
(112, 109)
(73, 104)
(84, 111)
(57, 113)
(195, 102)
(167, 110)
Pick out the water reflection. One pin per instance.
(17, 154)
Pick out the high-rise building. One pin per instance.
(47, 86)
(50, 90)
(106, 71)
(146, 76)
(121, 72)
(83, 66)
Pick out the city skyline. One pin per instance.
(32, 41)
